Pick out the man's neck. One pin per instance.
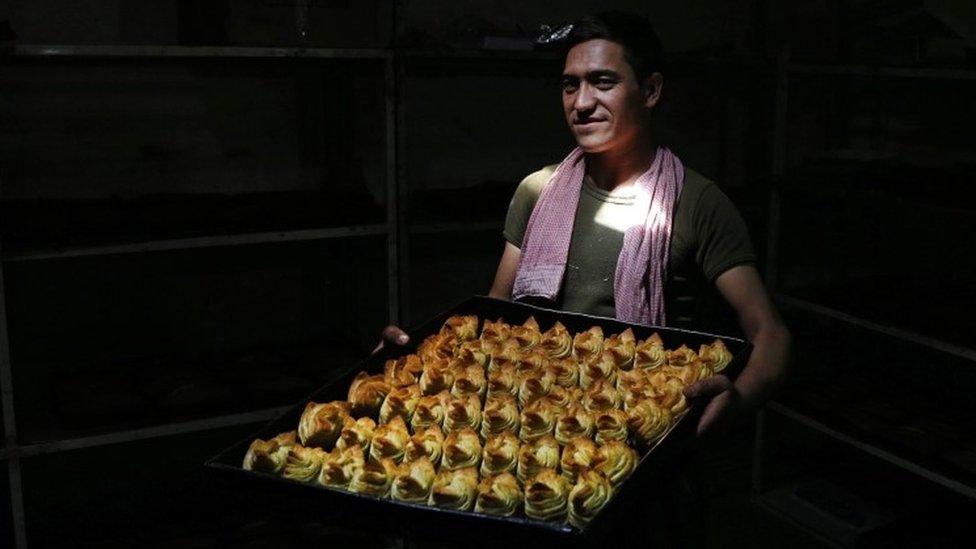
(612, 170)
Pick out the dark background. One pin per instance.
(194, 238)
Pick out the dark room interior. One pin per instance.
(210, 210)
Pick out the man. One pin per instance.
(620, 227)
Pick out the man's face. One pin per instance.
(604, 104)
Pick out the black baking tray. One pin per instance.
(394, 516)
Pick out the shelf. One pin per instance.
(884, 72)
(68, 51)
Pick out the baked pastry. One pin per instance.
(437, 346)
(429, 411)
(357, 433)
(427, 443)
(537, 419)
(502, 355)
(588, 496)
(461, 449)
(469, 353)
(493, 334)
(564, 372)
(556, 342)
(321, 423)
(682, 356)
(402, 371)
(632, 380)
(500, 454)
(303, 464)
(621, 347)
(611, 425)
(455, 488)
(578, 455)
(503, 379)
(340, 466)
(601, 396)
(650, 353)
(546, 495)
(269, 456)
(716, 356)
(588, 344)
(413, 480)
(669, 392)
(389, 440)
(438, 375)
(470, 380)
(532, 362)
(498, 495)
(527, 335)
(687, 374)
(374, 478)
(461, 327)
(576, 422)
(648, 421)
(533, 386)
(562, 398)
(602, 366)
(401, 401)
(462, 412)
(537, 455)
(616, 461)
(501, 413)
(366, 394)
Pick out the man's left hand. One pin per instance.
(724, 402)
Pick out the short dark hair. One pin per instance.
(642, 47)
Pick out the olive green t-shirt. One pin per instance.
(708, 237)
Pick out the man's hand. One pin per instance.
(724, 402)
(392, 335)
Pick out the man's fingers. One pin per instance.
(394, 334)
(710, 386)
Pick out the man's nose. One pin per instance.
(585, 99)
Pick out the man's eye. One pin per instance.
(605, 84)
(569, 85)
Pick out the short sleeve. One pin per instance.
(723, 239)
(522, 204)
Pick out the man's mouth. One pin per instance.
(588, 121)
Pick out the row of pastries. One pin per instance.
(497, 418)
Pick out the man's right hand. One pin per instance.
(392, 335)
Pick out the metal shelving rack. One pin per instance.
(13, 451)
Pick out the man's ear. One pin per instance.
(651, 88)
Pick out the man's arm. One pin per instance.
(766, 369)
(501, 288)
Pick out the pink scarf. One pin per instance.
(638, 286)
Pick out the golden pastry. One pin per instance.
(685, 374)
(682, 356)
(402, 371)
(470, 380)
(437, 346)
(588, 496)
(390, 440)
(616, 461)
(469, 353)
(669, 393)
(532, 362)
(635, 379)
(427, 443)
(374, 478)
(303, 464)
(537, 419)
(564, 372)
(588, 344)
(412, 480)
(562, 398)
(716, 356)
(461, 449)
(455, 488)
(578, 455)
(366, 394)
(503, 379)
(401, 401)
(557, 342)
(462, 412)
(461, 327)
(500, 454)
(600, 367)
(437, 376)
(504, 355)
(493, 334)
(533, 386)
(546, 495)
(650, 353)
(498, 495)
(269, 456)
(321, 423)
(601, 396)
(576, 422)
(611, 425)
(429, 411)
(501, 413)
(357, 433)
(648, 422)
(537, 455)
(340, 466)
(621, 348)
(527, 335)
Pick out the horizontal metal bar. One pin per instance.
(198, 242)
(431, 228)
(147, 433)
(33, 50)
(886, 72)
(885, 455)
(930, 342)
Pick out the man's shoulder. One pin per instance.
(531, 186)
(695, 185)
